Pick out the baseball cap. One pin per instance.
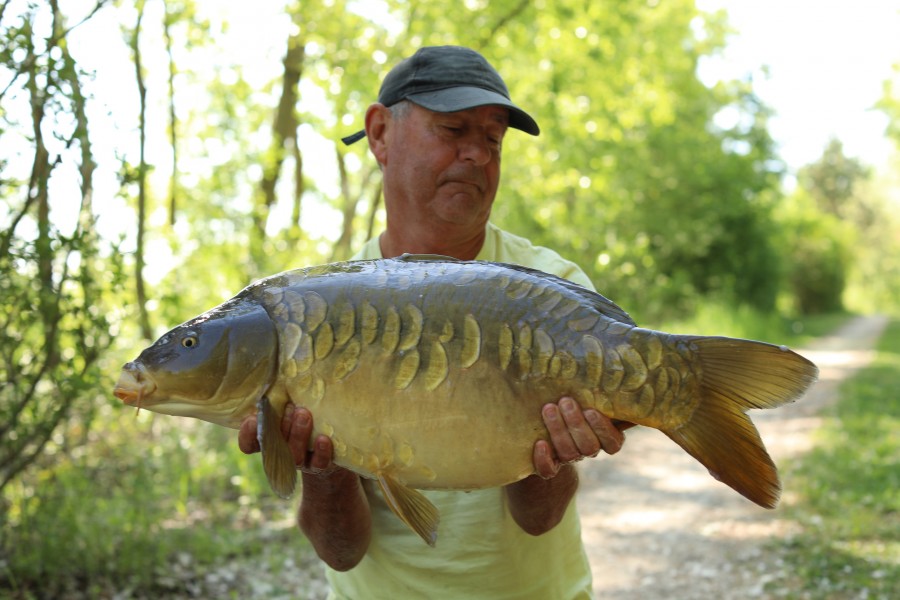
(449, 79)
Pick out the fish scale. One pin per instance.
(430, 373)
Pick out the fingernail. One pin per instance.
(548, 411)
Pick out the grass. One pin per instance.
(849, 492)
(145, 509)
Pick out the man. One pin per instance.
(437, 131)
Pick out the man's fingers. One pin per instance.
(300, 427)
(575, 434)
(287, 420)
(571, 435)
(611, 437)
(545, 463)
(319, 462)
(247, 441)
(311, 456)
(563, 444)
(581, 431)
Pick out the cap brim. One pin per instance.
(353, 138)
(463, 98)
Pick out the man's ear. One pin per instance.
(378, 121)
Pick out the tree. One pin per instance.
(630, 177)
(139, 175)
(52, 305)
(283, 143)
(890, 104)
(826, 217)
(833, 183)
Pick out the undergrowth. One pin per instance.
(849, 492)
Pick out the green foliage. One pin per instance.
(832, 182)
(874, 278)
(890, 104)
(53, 300)
(149, 491)
(819, 247)
(636, 184)
(55, 332)
(743, 321)
(849, 484)
(841, 229)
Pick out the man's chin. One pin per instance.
(464, 212)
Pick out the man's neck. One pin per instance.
(463, 247)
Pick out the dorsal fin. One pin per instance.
(603, 304)
(407, 257)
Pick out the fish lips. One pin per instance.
(134, 384)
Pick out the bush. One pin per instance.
(818, 248)
(145, 494)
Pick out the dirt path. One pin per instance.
(656, 525)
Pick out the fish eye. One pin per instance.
(189, 341)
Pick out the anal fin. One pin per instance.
(278, 462)
(411, 507)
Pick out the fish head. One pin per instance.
(213, 367)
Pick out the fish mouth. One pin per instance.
(134, 385)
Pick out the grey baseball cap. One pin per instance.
(449, 79)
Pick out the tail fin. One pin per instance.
(738, 375)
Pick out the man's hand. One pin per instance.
(574, 434)
(311, 456)
(334, 512)
(539, 502)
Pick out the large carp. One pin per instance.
(427, 372)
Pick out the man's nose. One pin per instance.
(475, 150)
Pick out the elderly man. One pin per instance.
(437, 131)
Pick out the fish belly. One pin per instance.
(473, 431)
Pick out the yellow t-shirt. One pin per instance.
(481, 552)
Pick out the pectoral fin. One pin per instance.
(278, 462)
(412, 507)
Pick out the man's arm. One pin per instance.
(539, 502)
(334, 511)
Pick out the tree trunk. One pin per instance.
(173, 122)
(140, 286)
(284, 135)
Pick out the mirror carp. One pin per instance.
(430, 373)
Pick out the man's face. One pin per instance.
(442, 169)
